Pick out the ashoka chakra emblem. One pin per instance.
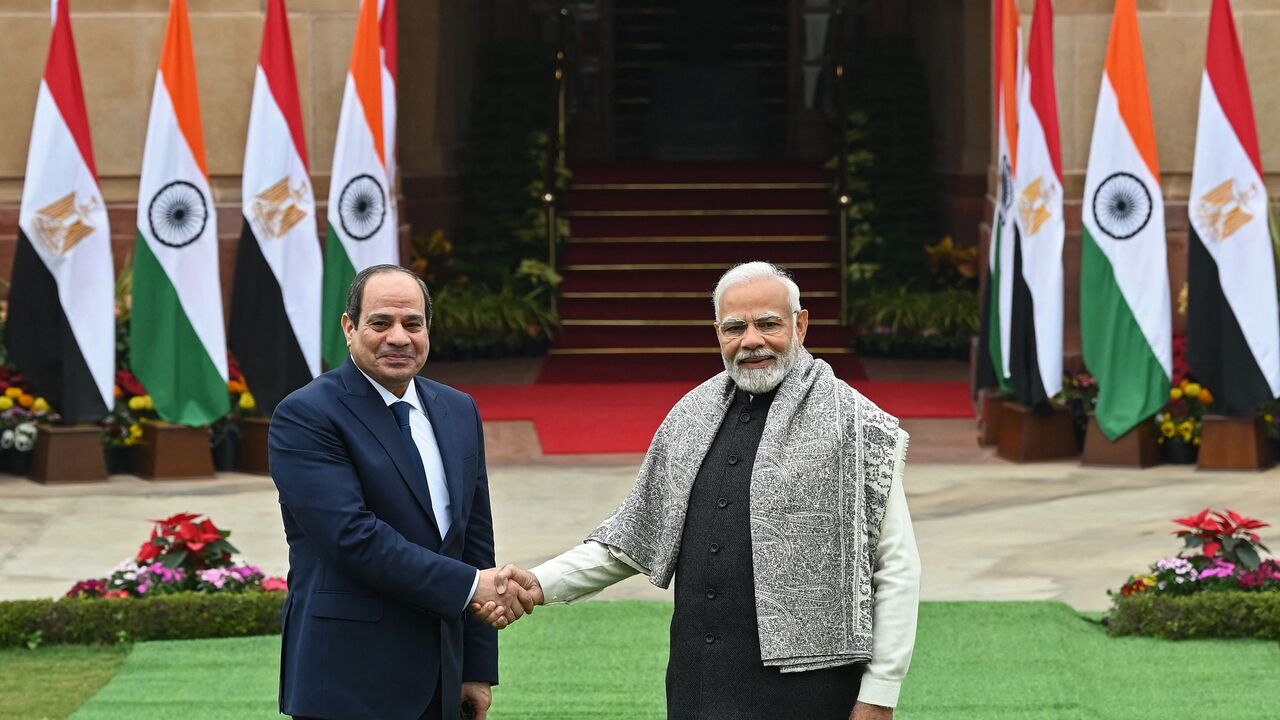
(1122, 206)
(178, 214)
(1006, 185)
(362, 207)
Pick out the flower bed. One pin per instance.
(1220, 586)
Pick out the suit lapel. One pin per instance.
(450, 453)
(365, 403)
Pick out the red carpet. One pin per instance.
(621, 418)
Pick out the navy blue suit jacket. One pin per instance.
(377, 606)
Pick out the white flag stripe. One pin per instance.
(1245, 259)
(1042, 244)
(354, 155)
(192, 268)
(84, 274)
(1132, 260)
(295, 258)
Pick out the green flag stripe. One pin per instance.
(338, 274)
(994, 334)
(168, 356)
(1132, 385)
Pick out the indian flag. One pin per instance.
(361, 230)
(179, 346)
(993, 351)
(388, 25)
(1233, 322)
(1125, 319)
(275, 311)
(1035, 352)
(61, 329)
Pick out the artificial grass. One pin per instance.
(986, 661)
(52, 681)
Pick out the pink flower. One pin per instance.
(275, 584)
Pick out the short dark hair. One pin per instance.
(355, 296)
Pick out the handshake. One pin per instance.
(505, 594)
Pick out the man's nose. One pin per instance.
(397, 335)
(752, 338)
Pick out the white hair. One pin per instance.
(747, 272)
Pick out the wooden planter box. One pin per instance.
(253, 446)
(69, 455)
(1026, 436)
(174, 452)
(1136, 449)
(1234, 443)
(990, 402)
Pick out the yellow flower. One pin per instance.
(6, 402)
(13, 393)
(40, 406)
(1186, 429)
(1193, 389)
(1168, 429)
(1195, 441)
(1176, 393)
(148, 403)
(138, 402)
(246, 401)
(1269, 417)
(135, 435)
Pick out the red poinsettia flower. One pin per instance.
(1246, 523)
(129, 383)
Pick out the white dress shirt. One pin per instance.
(429, 450)
(585, 570)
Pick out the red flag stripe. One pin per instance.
(277, 64)
(1225, 65)
(1044, 93)
(62, 75)
(390, 41)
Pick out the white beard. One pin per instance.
(762, 380)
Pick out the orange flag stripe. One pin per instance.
(178, 68)
(1127, 71)
(1010, 29)
(366, 70)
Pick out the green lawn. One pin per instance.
(987, 661)
(53, 681)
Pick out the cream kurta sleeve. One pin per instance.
(896, 584)
(582, 571)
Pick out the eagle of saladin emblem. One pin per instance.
(1223, 210)
(279, 208)
(61, 225)
(1035, 202)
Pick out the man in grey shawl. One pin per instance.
(772, 494)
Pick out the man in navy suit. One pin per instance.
(385, 501)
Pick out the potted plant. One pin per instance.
(1079, 394)
(1181, 420)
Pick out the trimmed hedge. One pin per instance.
(1254, 615)
(181, 616)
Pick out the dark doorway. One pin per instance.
(702, 80)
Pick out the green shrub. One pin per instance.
(182, 616)
(1253, 615)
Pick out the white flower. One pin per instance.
(6, 440)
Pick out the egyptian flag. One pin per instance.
(1233, 322)
(61, 331)
(388, 28)
(275, 310)
(1125, 319)
(1035, 352)
(361, 230)
(179, 347)
(994, 331)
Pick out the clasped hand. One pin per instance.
(505, 594)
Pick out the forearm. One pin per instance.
(896, 584)
(581, 572)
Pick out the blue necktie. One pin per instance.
(401, 411)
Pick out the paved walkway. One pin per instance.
(987, 530)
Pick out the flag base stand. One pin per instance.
(1026, 436)
(1135, 449)
(175, 452)
(990, 401)
(65, 455)
(1233, 443)
(253, 446)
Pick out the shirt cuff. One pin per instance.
(878, 691)
(474, 585)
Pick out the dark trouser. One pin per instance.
(433, 711)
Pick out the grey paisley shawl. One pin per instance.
(818, 489)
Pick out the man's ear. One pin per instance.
(348, 327)
(802, 324)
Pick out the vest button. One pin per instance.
(744, 417)
(715, 547)
(711, 594)
(722, 503)
(710, 638)
(733, 459)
